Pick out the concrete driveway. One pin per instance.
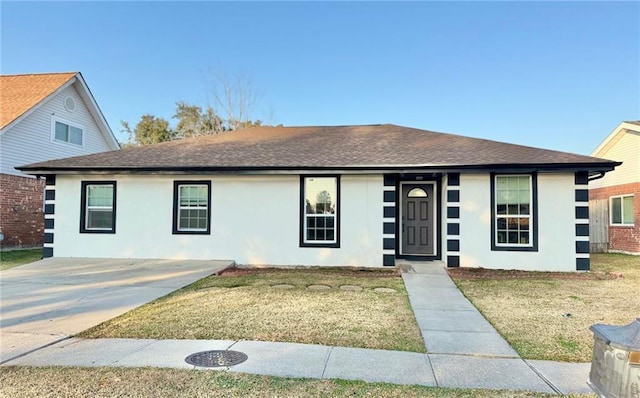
(49, 300)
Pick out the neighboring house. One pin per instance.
(332, 196)
(615, 198)
(42, 117)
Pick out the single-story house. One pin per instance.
(333, 196)
(615, 199)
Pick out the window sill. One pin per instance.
(335, 245)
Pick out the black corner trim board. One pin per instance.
(583, 264)
(49, 194)
(302, 242)
(50, 179)
(453, 261)
(582, 178)
(453, 212)
(582, 195)
(453, 195)
(453, 228)
(453, 179)
(47, 252)
(49, 223)
(388, 260)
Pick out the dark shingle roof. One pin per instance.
(339, 147)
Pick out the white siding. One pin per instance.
(255, 220)
(30, 141)
(625, 149)
(556, 226)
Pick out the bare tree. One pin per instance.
(234, 99)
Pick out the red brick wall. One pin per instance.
(622, 238)
(21, 214)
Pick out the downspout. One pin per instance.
(599, 176)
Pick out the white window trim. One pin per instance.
(334, 215)
(180, 208)
(621, 197)
(529, 216)
(55, 119)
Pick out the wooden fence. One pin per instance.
(599, 225)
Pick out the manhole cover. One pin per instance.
(217, 358)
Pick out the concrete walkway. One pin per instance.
(449, 323)
(464, 351)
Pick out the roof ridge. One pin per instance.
(42, 73)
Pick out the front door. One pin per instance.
(417, 227)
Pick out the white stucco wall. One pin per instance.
(255, 220)
(556, 226)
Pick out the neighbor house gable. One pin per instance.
(28, 132)
(622, 145)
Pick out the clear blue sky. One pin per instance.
(547, 74)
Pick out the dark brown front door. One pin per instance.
(417, 219)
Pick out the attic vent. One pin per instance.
(69, 104)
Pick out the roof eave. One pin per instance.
(96, 112)
(593, 168)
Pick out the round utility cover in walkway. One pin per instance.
(216, 358)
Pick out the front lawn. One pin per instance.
(256, 306)
(547, 315)
(18, 382)
(14, 258)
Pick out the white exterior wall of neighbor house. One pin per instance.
(255, 220)
(30, 140)
(624, 148)
(556, 226)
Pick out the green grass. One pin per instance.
(14, 258)
(17, 382)
(531, 313)
(247, 307)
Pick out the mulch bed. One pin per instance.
(483, 273)
(349, 271)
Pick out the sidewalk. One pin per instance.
(323, 362)
(464, 351)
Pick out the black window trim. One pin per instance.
(301, 217)
(534, 219)
(176, 185)
(83, 207)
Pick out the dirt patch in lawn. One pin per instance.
(483, 273)
(351, 271)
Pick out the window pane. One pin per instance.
(99, 219)
(100, 195)
(627, 210)
(62, 132)
(75, 135)
(320, 195)
(417, 193)
(616, 210)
